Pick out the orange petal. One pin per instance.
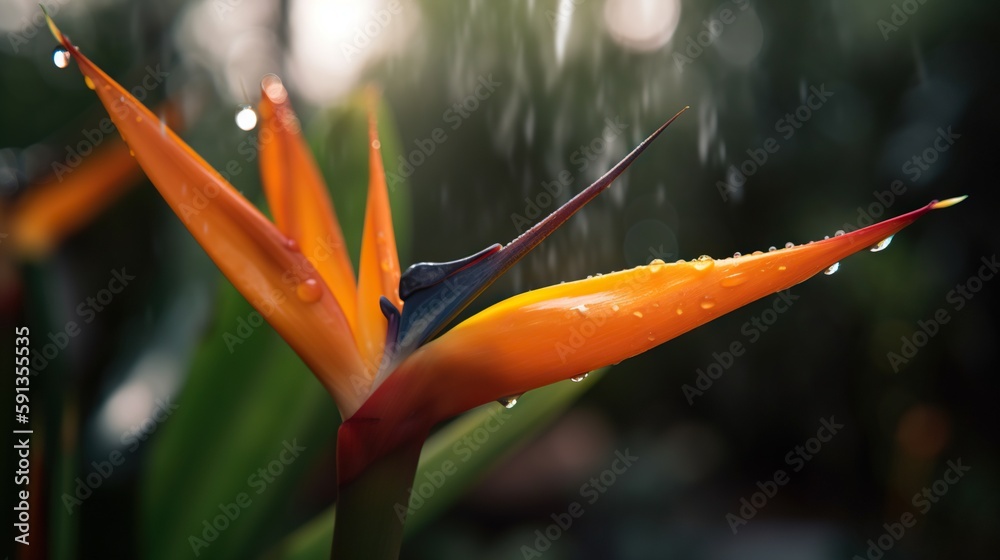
(298, 196)
(70, 198)
(554, 333)
(269, 271)
(378, 272)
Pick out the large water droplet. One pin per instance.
(789, 245)
(833, 268)
(89, 83)
(707, 302)
(579, 378)
(655, 265)
(60, 57)
(838, 233)
(737, 255)
(704, 262)
(882, 244)
(309, 291)
(246, 118)
(508, 402)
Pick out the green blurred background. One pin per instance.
(152, 378)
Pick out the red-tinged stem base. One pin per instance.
(371, 509)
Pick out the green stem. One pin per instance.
(371, 508)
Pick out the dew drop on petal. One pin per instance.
(246, 118)
(707, 302)
(882, 244)
(581, 309)
(655, 265)
(704, 262)
(680, 311)
(838, 233)
(833, 268)
(89, 83)
(651, 338)
(309, 291)
(638, 314)
(771, 249)
(291, 244)
(789, 245)
(579, 378)
(737, 255)
(60, 57)
(782, 268)
(376, 144)
(615, 307)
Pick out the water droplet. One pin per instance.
(581, 309)
(508, 402)
(579, 378)
(772, 248)
(707, 302)
(789, 245)
(679, 310)
(638, 314)
(651, 338)
(615, 307)
(833, 268)
(376, 144)
(385, 265)
(655, 265)
(704, 262)
(246, 118)
(838, 233)
(733, 280)
(737, 255)
(825, 237)
(782, 268)
(292, 245)
(755, 253)
(131, 153)
(882, 244)
(89, 83)
(309, 291)
(60, 57)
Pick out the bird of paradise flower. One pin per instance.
(371, 340)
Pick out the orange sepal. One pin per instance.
(298, 196)
(249, 250)
(378, 271)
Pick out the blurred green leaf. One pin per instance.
(451, 450)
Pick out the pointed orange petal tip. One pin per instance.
(937, 205)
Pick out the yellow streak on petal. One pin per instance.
(379, 272)
(298, 196)
(247, 248)
(948, 202)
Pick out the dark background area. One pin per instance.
(563, 69)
